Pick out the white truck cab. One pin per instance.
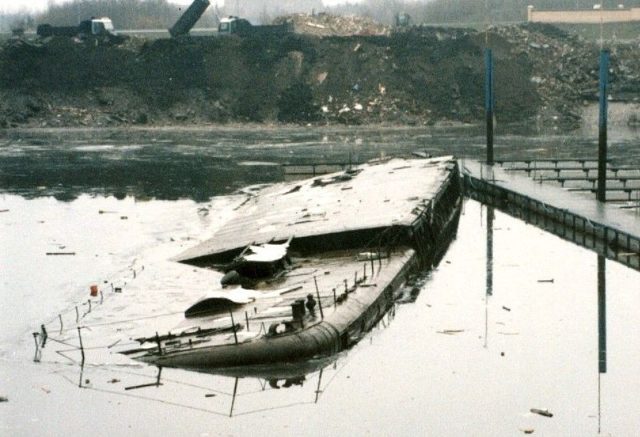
(101, 26)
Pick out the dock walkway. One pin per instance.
(605, 228)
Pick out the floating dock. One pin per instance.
(605, 228)
(352, 240)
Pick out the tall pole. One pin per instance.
(601, 194)
(489, 102)
(490, 217)
(602, 315)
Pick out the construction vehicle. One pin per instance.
(402, 20)
(93, 26)
(233, 25)
(190, 17)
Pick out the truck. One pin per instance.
(233, 25)
(187, 20)
(94, 26)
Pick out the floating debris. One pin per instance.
(4, 399)
(60, 253)
(450, 331)
(546, 280)
(545, 413)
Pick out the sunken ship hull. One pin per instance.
(376, 261)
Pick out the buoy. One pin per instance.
(94, 290)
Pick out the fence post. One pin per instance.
(81, 345)
(233, 325)
(319, 300)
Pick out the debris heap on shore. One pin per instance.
(417, 76)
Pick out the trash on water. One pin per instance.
(545, 412)
(450, 331)
(209, 395)
(4, 399)
(527, 430)
(506, 308)
(546, 280)
(113, 381)
(60, 253)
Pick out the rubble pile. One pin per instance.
(419, 76)
(323, 24)
(565, 68)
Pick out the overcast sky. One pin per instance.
(39, 5)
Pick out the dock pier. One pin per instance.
(602, 227)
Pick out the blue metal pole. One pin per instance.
(602, 315)
(602, 131)
(489, 102)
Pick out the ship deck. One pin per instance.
(366, 198)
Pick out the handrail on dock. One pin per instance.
(555, 161)
(594, 225)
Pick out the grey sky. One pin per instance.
(10, 6)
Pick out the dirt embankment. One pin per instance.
(419, 76)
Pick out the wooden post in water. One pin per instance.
(601, 193)
(489, 102)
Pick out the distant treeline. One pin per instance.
(125, 14)
(470, 12)
(151, 14)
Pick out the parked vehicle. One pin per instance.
(233, 25)
(93, 26)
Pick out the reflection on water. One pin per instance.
(231, 392)
(533, 343)
(200, 163)
(513, 319)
